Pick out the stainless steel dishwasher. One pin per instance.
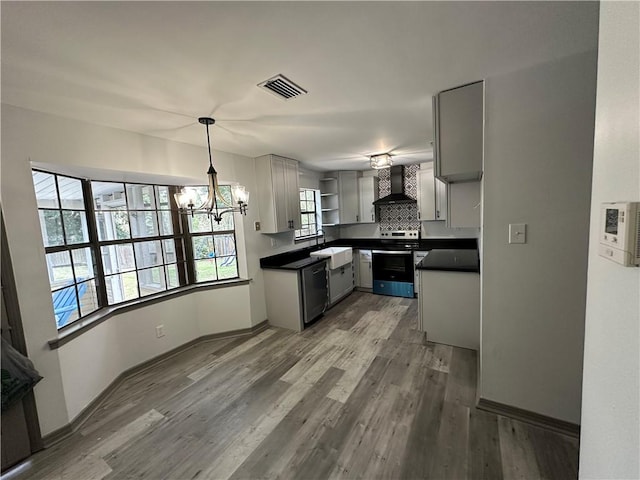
(315, 291)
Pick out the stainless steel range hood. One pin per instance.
(397, 194)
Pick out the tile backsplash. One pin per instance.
(399, 216)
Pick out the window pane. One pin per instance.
(173, 280)
(203, 247)
(163, 198)
(169, 247)
(113, 225)
(51, 227)
(65, 305)
(143, 224)
(151, 280)
(45, 187)
(199, 223)
(117, 258)
(148, 254)
(225, 245)
(303, 194)
(227, 267)
(140, 197)
(71, 194)
(108, 195)
(225, 224)
(75, 226)
(59, 269)
(122, 287)
(310, 195)
(88, 297)
(166, 225)
(225, 193)
(205, 270)
(82, 263)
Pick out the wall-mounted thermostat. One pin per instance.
(620, 232)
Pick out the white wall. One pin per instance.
(69, 384)
(610, 435)
(128, 339)
(537, 171)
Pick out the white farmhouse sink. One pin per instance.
(337, 256)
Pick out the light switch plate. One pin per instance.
(517, 233)
(256, 226)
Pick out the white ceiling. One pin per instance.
(370, 67)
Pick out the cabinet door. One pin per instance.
(367, 194)
(348, 196)
(459, 115)
(426, 193)
(366, 276)
(292, 194)
(280, 199)
(463, 204)
(441, 199)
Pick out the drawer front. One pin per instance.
(395, 289)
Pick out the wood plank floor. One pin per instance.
(358, 395)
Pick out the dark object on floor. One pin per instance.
(18, 375)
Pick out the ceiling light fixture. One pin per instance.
(215, 204)
(381, 161)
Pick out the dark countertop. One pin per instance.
(451, 260)
(293, 259)
(299, 264)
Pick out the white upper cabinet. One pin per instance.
(348, 196)
(278, 193)
(463, 204)
(367, 194)
(432, 195)
(458, 133)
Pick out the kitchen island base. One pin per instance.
(450, 307)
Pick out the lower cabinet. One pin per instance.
(284, 299)
(449, 304)
(364, 273)
(341, 283)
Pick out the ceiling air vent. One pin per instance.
(282, 87)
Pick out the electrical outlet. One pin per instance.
(274, 242)
(256, 226)
(159, 331)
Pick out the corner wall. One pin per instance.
(610, 436)
(538, 156)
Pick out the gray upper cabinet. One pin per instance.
(458, 133)
(278, 193)
(367, 194)
(432, 195)
(348, 196)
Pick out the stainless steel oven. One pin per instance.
(393, 272)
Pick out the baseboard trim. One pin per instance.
(549, 423)
(75, 424)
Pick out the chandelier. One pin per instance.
(215, 204)
(381, 161)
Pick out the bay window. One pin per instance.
(107, 243)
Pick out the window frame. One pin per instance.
(181, 235)
(316, 215)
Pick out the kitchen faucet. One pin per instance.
(318, 232)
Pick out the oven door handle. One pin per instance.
(393, 252)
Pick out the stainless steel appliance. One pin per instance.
(393, 268)
(315, 291)
(393, 272)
